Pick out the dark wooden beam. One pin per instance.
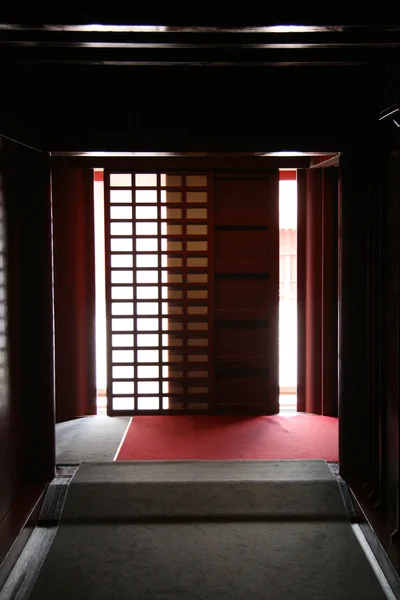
(167, 45)
(177, 161)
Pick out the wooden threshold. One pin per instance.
(17, 526)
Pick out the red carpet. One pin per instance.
(229, 438)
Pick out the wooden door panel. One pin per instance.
(244, 204)
(242, 250)
(250, 342)
(230, 392)
(235, 299)
(246, 293)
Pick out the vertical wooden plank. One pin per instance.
(170, 323)
(391, 433)
(160, 284)
(313, 299)
(107, 266)
(353, 443)
(381, 320)
(31, 189)
(211, 291)
(37, 322)
(373, 457)
(301, 288)
(74, 291)
(310, 274)
(375, 327)
(317, 273)
(88, 308)
(11, 439)
(329, 350)
(185, 332)
(176, 399)
(135, 315)
(274, 279)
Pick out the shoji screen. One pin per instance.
(158, 275)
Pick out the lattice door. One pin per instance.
(159, 277)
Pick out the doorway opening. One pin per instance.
(287, 291)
